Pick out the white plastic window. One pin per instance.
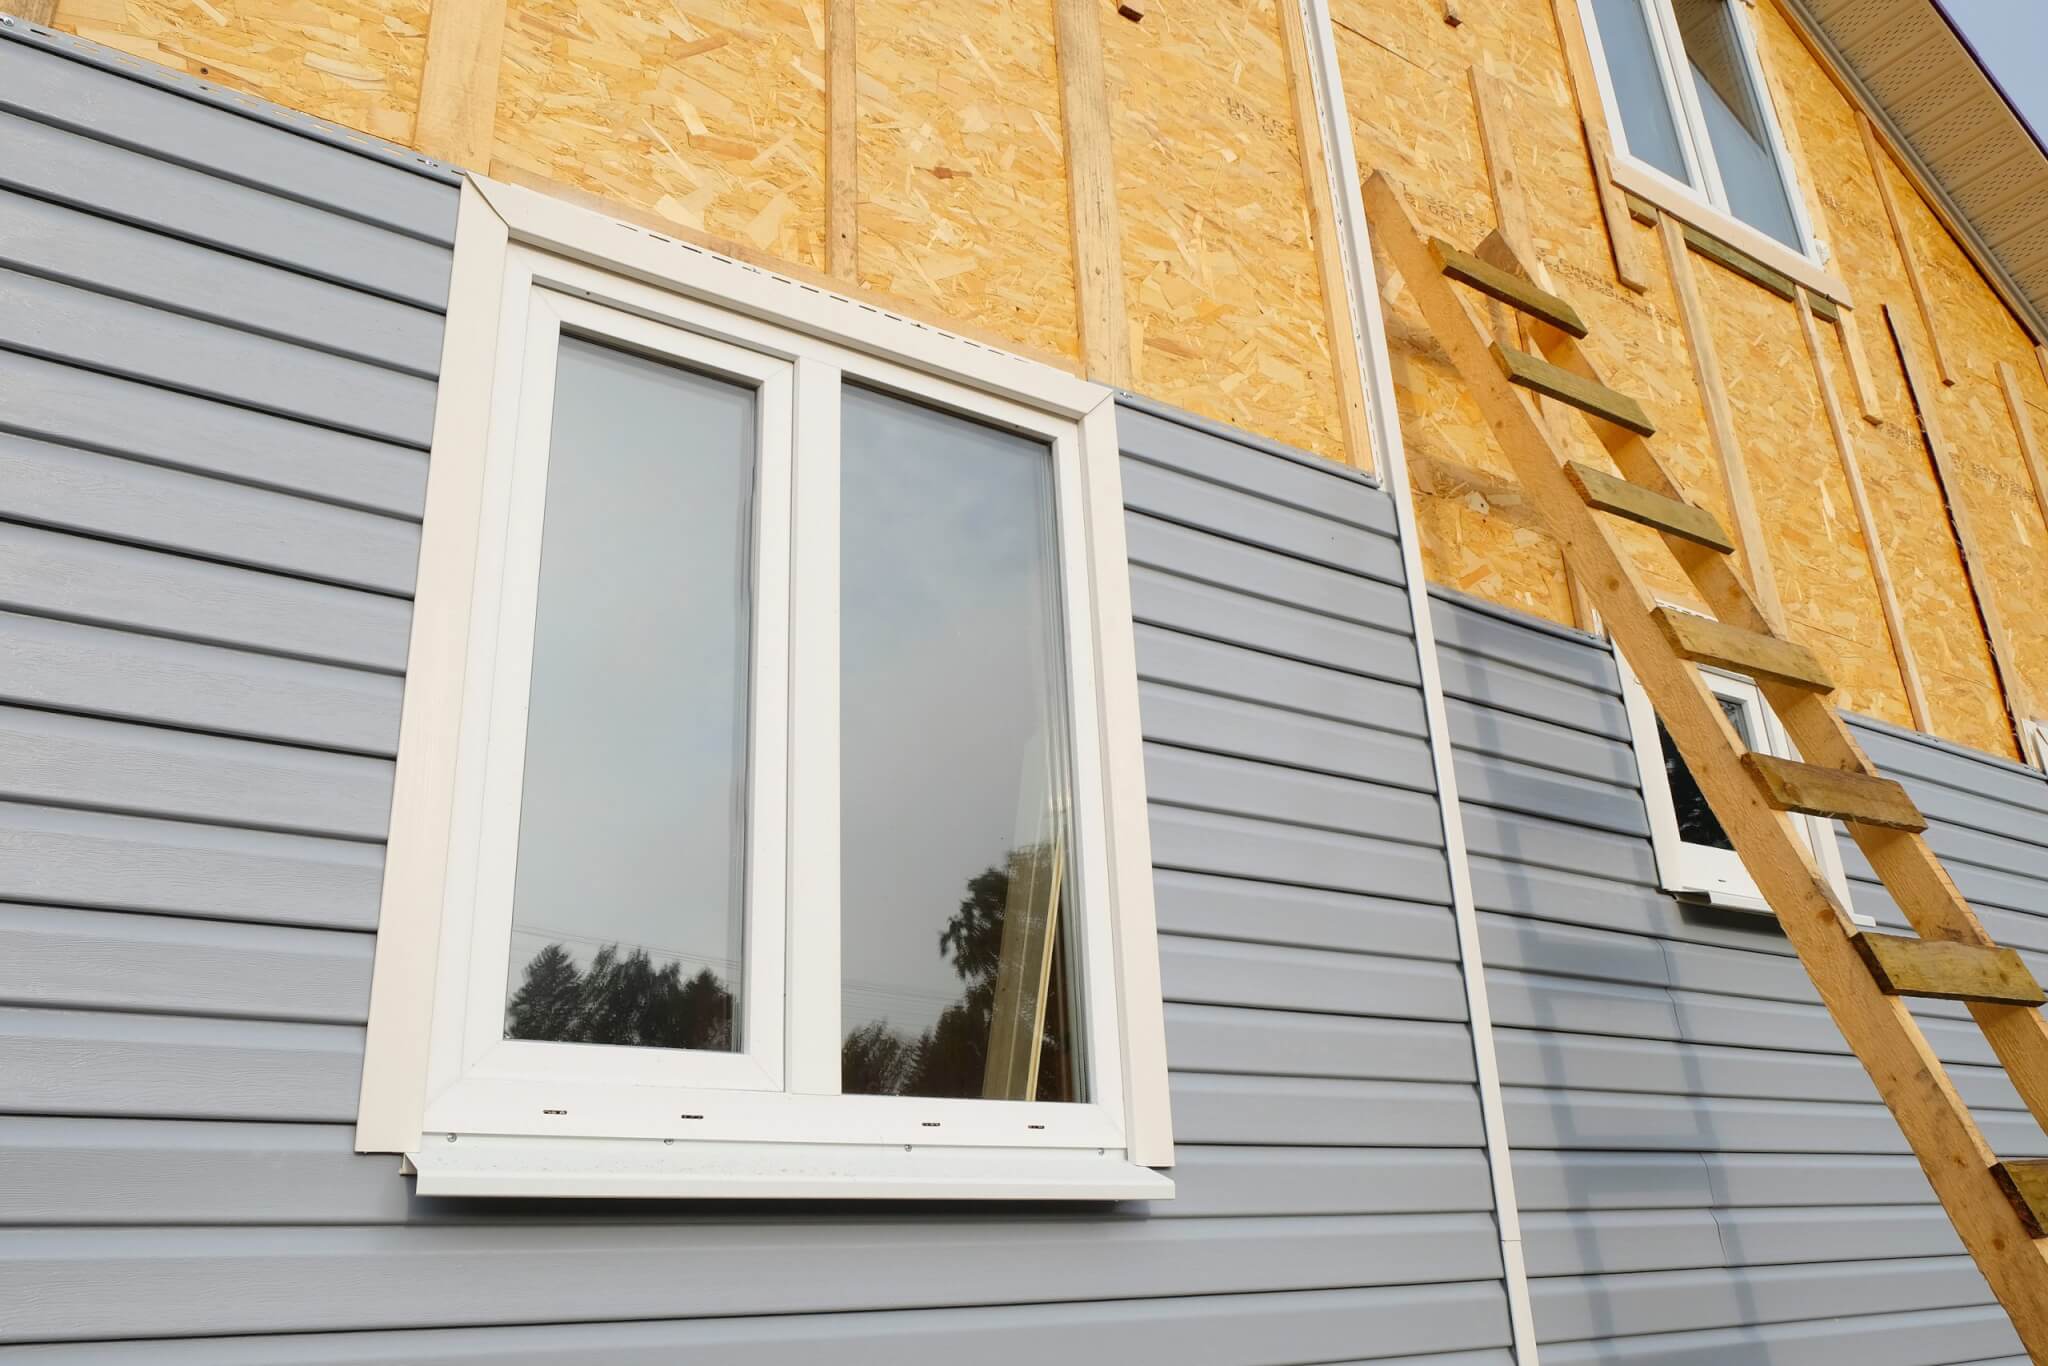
(791, 822)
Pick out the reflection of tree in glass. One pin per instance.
(951, 1057)
(619, 999)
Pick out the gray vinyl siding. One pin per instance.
(1705, 1173)
(218, 338)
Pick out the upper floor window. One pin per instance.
(777, 827)
(1683, 82)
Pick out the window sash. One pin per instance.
(785, 1082)
(1695, 143)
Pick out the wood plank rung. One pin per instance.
(1706, 641)
(1588, 396)
(1506, 286)
(2026, 1183)
(1816, 791)
(1606, 493)
(1905, 966)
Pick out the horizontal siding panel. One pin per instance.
(1233, 846)
(128, 500)
(1175, 496)
(96, 253)
(1290, 1043)
(83, 408)
(1272, 977)
(85, 1283)
(1237, 1330)
(69, 1062)
(109, 960)
(104, 179)
(1177, 446)
(72, 667)
(145, 770)
(1191, 719)
(80, 327)
(1271, 681)
(46, 573)
(1284, 1111)
(1232, 908)
(88, 858)
(1310, 801)
(1160, 599)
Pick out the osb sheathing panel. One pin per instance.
(963, 195)
(709, 113)
(356, 62)
(1816, 550)
(1220, 279)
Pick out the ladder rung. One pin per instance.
(1706, 641)
(1588, 396)
(2026, 1181)
(1509, 288)
(1604, 492)
(1831, 792)
(1905, 966)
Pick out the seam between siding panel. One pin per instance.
(1392, 464)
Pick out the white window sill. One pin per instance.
(487, 1165)
(1688, 207)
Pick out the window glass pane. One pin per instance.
(1737, 123)
(1696, 822)
(626, 919)
(955, 792)
(1639, 86)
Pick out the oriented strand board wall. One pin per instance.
(709, 113)
(356, 62)
(1220, 279)
(963, 190)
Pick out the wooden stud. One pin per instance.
(1091, 195)
(1757, 654)
(1508, 288)
(1909, 1077)
(1936, 968)
(842, 142)
(1879, 161)
(1866, 520)
(2026, 1180)
(1346, 358)
(1619, 498)
(1815, 791)
(2023, 428)
(457, 117)
(2005, 658)
(1706, 368)
(1540, 376)
(1859, 368)
(1629, 268)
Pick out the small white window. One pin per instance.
(1696, 860)
(769, 814)
(1687, 97)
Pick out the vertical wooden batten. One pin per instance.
(1584, 86)
(1859, 499)
(1091, 194)
(1706, 365)
(2004, 656)
(1346, 358)
(458, 110)
(842, 143)
(1879, 173)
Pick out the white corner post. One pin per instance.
(1369, 352)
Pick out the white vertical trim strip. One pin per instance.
(1392, 464)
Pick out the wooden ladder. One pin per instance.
(1999, 1208)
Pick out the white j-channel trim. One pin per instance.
(1392, 465)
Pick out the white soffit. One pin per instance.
(1926, 87)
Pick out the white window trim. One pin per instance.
(432, 1087)
(1707, 208)
(1694, 872)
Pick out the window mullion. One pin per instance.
(813, 938)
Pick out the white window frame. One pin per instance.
(1699, 872)
(476, 1113)
(1704, 202)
